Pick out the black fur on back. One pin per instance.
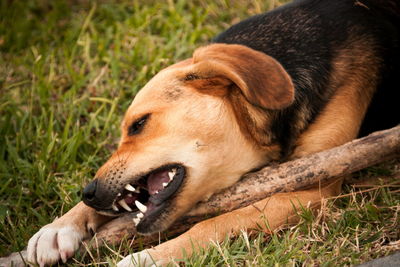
(305, 36)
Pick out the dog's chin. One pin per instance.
(150, 198)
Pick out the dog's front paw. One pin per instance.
(52, 243)
(142, 259)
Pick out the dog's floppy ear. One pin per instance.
(262, 80)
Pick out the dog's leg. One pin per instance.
(269, 214)
(61, 238)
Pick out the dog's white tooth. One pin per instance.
(114, 207)
(140, 206)
(171, 175)
(140, 215)
(164, 184)
(119, 194)
(137, 190)
(156, 192)
(129, 188)
(129, 195)
(136, 221)
(124, 205)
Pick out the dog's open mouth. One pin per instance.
(148, 194)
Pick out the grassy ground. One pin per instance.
(69, 69)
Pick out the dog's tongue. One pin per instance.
(155, 181)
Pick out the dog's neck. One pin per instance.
(255, 124)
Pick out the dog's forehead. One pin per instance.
(167, 85)
(162, 90)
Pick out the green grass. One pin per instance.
(69, 69)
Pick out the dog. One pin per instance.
(305, 77)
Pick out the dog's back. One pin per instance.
(323, 44)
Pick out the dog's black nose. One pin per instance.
(97, 195)
(90, 191)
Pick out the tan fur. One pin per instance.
(83, 218)
(252, 122)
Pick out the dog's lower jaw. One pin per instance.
(160, 223)
(151, 227)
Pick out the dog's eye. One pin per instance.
(137, 126)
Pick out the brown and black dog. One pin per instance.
(280, 85)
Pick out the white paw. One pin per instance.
(142, 259)
(53, 243)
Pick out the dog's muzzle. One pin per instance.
(146, 196)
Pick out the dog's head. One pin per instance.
(193, 130)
